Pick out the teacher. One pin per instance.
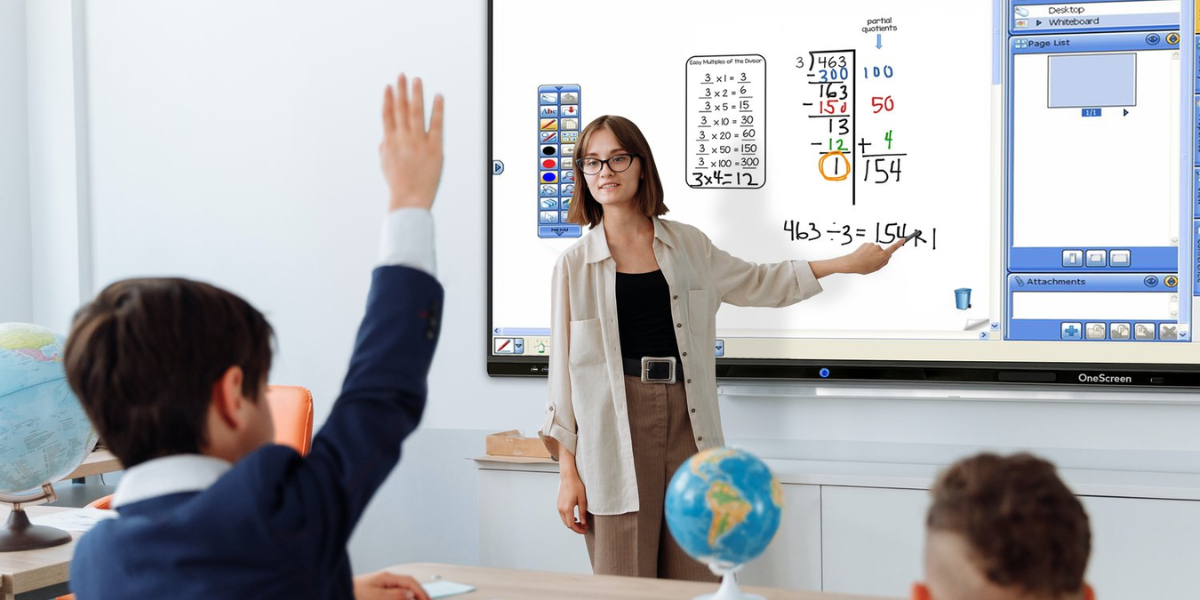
(632, 384)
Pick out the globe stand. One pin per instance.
(19, 534)
(729, 589)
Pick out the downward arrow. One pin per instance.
(879, 40)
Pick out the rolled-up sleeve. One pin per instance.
(744, 283)
(559, 425)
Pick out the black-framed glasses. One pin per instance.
(617, 164)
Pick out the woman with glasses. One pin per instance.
(633, 316)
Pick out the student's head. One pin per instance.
(1004, 528)
(629, 177)
(171, 366)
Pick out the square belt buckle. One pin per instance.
(658, 370)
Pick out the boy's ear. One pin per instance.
(1088, 592)
(227, 397)
(920, 592)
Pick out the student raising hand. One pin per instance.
(383, 585)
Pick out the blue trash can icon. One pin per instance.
(962, 298)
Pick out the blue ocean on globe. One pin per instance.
(723, 507)
(44, 432)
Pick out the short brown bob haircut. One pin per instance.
(1026, 528)
(144, 355)
(584, 208)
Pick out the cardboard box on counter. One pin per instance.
(511, 443)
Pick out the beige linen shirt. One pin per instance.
(586, 411)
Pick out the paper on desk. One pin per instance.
(442, 589)
(74, 520)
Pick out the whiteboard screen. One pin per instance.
(792, 131)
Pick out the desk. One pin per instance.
(99, 461)
(36, 574)
(508, 584)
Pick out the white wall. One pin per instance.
(57, 163)
(242, 151)
(15, 265)
(224, 161)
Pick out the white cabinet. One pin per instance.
(793, 560)
(519, 527)
(872, 539)
(856, 539)
(1144, 549)
(873, 543)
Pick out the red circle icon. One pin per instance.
(548, 163)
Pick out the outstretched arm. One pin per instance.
(383, 396)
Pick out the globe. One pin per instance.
(723, 507)
(44, 432)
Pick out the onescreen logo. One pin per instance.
(1102, 378)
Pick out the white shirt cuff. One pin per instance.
(408, 240)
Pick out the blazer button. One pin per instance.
(693, 410)
(675, 298)
(689, 381)
(700, 439)
(685, 353)
(551, 409)
(679, 325)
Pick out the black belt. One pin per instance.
(651, 369)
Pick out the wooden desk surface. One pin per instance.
(496, 584)
(35, 569)
(100, 461)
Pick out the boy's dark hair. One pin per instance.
(585, 210)
(144, 355)
(1026, 528)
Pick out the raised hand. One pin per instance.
(411, 156)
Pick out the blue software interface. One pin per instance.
(1102, 217)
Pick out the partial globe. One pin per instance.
(723, 507)
(44, 432)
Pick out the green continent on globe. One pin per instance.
(711, 457)
(28, 342)
(728, 508)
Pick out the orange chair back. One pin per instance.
(292, 413)
(104, 503)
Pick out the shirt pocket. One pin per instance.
(587, 342)
(699, 313)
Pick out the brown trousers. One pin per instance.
(639, 543)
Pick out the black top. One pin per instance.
(644, 321)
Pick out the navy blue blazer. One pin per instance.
(276, 525)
